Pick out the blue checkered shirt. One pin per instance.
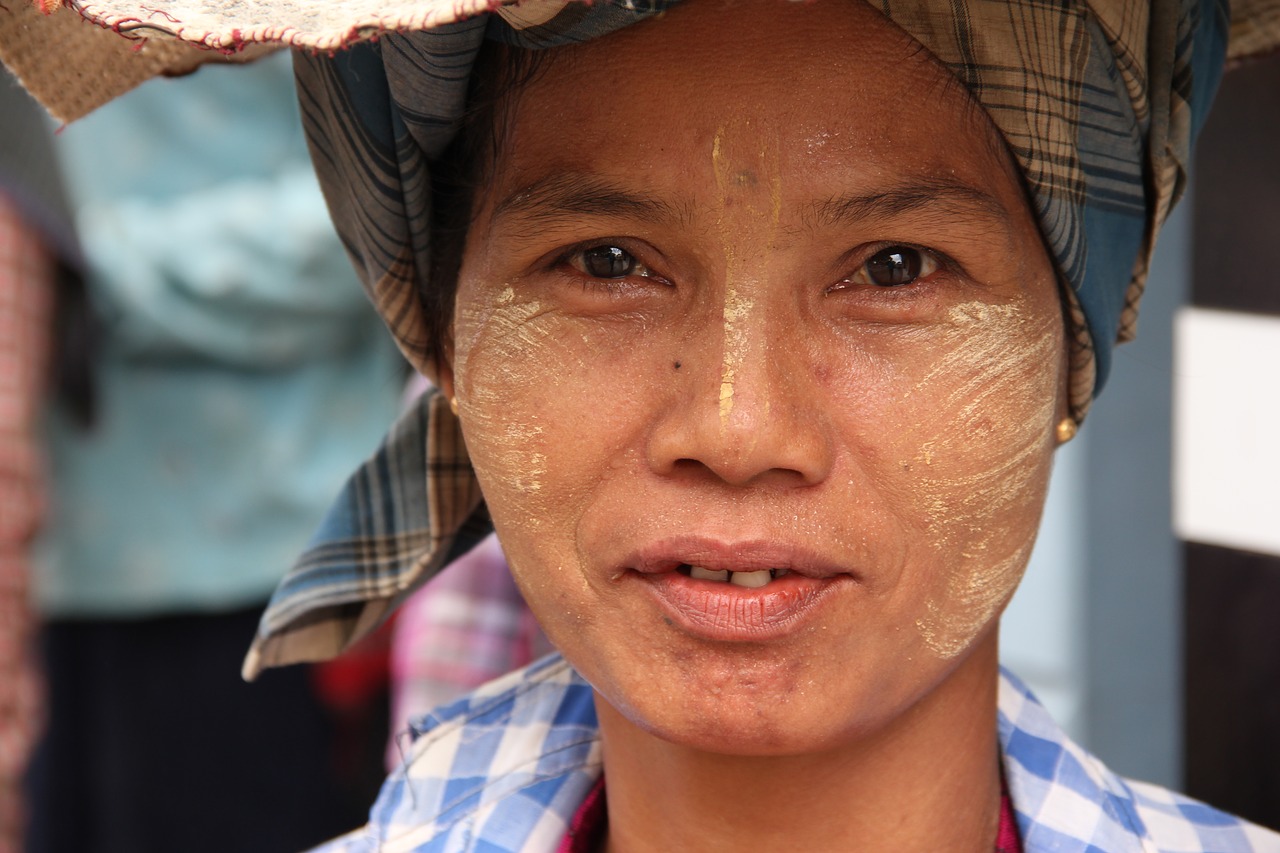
(506, 768)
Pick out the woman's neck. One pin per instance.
(928, 781)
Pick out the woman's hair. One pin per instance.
(501, 71)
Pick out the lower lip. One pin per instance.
(724, 611)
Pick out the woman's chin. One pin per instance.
(791, 700)
(745, 742)
(769, 716)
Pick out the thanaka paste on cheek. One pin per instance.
(507, 449)
(511, 359)
(982, 519)
(525, 377)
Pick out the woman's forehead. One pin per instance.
(816, 61)
(825, 90)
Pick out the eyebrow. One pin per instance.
(576, 194)
(573, 194)
(949, 197)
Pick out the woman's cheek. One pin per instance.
(535, 394)
(980, 470)
(500, 370)
(539, 397)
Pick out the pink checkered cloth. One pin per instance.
(588, 828)
(26, 306)
(467, 627)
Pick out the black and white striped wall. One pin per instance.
(1227, 454)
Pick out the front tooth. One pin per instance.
(753, 580)
(707, 574)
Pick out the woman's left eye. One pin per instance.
(895, 266)
(606, 261)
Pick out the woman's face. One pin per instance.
(756, 291)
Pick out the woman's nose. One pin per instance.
(749, 414)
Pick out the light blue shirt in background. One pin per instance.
(243, 374)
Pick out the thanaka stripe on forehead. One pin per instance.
(952, 198)
(576, 194)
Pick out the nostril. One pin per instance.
(689, 467)
(769, 440)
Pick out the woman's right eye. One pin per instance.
(606, 261)
(896, 266)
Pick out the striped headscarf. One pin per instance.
(1098, 101)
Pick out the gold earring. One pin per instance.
(453, 405)
(1066, 430)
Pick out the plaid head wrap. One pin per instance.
(1097, 100)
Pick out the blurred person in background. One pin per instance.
(239, 376)
(39, 280)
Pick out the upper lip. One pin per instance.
(746, 555)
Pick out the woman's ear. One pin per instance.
(1065, 426)
(444, 380)
(442, 370)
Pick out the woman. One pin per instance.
(822, 356)
(760, 325)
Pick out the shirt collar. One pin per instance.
(509, 765)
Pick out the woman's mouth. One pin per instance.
(751, 580)
(743, 592)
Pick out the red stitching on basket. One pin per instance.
(170, 18)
